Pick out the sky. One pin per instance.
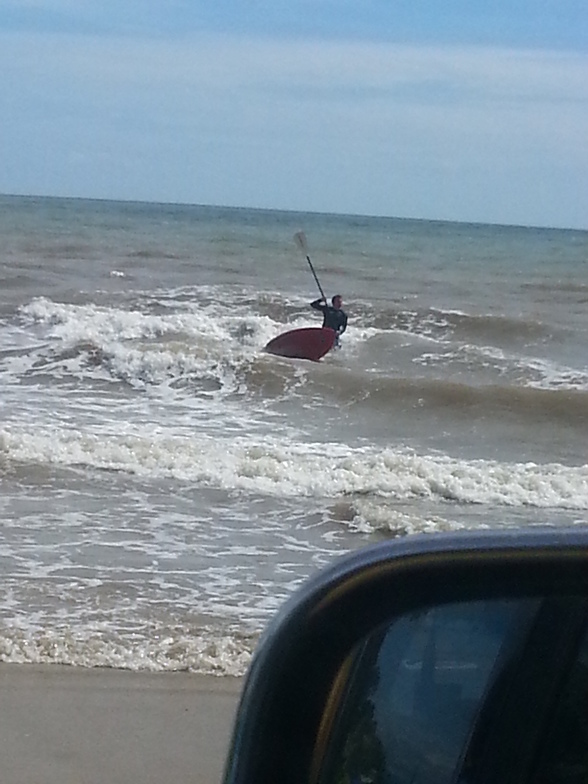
(466, 110)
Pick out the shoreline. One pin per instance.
(61, 724)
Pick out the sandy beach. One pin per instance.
(66, 725)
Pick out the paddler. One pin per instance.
(333, 315)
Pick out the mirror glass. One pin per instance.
(486, 691)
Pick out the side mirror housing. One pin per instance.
(302, 674)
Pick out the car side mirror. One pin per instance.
(430, 659)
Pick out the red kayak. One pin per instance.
(307, 343)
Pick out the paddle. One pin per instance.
(300, 240)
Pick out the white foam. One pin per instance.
(201, 651)
(272, 467)
(103, 325)
(525, 371)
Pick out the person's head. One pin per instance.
(337, 302)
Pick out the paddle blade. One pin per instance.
(300, 240)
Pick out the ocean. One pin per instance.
(166, 484)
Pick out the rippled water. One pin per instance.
(166, 484)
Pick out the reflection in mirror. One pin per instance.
(564, 757)
(458, 693)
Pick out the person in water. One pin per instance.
(333, 315)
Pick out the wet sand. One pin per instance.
(66, 725)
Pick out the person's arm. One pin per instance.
(319, 304)
(343, 325)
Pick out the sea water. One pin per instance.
(165, 484)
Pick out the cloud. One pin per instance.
(550, 23)
(325, 70)
(452, 132)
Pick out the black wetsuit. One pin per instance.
(333, 318)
